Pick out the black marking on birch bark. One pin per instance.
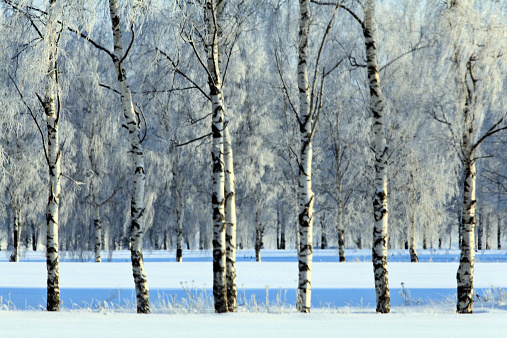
(370, 45)
(53, 288)
(219, 287)
(142, 292)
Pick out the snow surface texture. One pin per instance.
(99, 298)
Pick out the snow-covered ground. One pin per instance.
(98, 298)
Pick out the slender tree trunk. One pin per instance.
(465, 274)
(380, 210)
(165, 244)
(17, 232)
(413, 253)
(339, 222)
(97, 223)
(282, 236)
(467, 258)
(218, 194)
(258, 242)
(137, 203)
(488, 231)
(323, 241)
(340, 231)
(306, 197)
(180, 214)
(480, 232)
(53, 157)
(278, 228)
(230, 217)
(499, 233)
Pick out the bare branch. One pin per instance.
(412, 50)
(117, 188)
(319, 54)
(493, 130)
(286, 89)
(316, 119)
(82, 35)
(194, 140)
(130, 45)
(324, 3)
(177, 70)
(107, 87)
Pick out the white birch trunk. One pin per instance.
(16, 232)
(488, 231)
(180, 214)
(339, 188)
(411, 242)
(218, 193)
(465, 275)
(97, 224)
(230, 218)
(499, 233)
(137, 203)
(305, 166)
(323, 237)
(258, 242)
(53, 154)
(380, 211)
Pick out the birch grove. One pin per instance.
(262, 74)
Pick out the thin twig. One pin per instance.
(286, 90)
(194, 140)
(177, 70)
(33, 117)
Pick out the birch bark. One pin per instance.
(411, 243)
(230, 218)
(217, 128)
(380, 211)
(340, 231)
(180, 214)
(97, 224)
(17, 233)
(53, 158)
(305, 165)
(499, 233)
(412, 231)
(465, 274)
(137, 203)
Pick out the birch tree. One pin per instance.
(380, 210)
(218, 195)
(51, 104)
(133, 124)
(477, 113)
(310, 105)
(230, 215)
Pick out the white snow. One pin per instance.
(343, 299)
